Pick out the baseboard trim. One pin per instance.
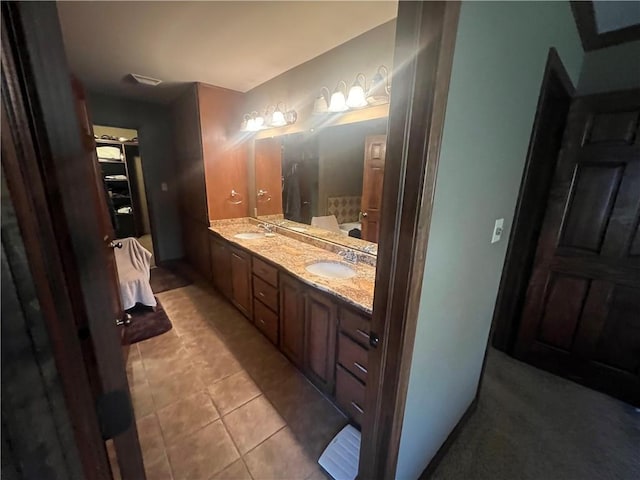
(444, 448)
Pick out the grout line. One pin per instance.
(273, 434)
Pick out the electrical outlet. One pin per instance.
(497, 230)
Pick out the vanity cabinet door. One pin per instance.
(241, 281)
(320, 340)
(292, 319)
(221, 266)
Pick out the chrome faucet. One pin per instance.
(349, 256)
(267, 227)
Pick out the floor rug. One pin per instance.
(162, 279)
(146, 322)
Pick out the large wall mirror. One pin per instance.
(326, 182)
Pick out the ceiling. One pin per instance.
(236, 45)
(612, 15)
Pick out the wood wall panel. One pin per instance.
(224, 158)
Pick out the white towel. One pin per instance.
(133, 263)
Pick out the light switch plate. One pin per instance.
(497, 230)
(164, 187)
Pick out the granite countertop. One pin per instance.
(294, 255)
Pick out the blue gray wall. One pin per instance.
(500, 55)
(153, 123)
(610, 69)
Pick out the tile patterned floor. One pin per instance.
(213, 398)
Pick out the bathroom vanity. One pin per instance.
(321, 324)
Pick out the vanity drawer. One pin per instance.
(350, 394)
(355, 326)
(265, 293)
(265, 320)
(265, 271)
(353, 357)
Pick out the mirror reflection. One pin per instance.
(327, 182)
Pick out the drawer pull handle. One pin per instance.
(357, 407)
(261, 321)
(363, 333)
(359, 367)
(261, 294)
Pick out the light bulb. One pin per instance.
(338, 103)
(278, 119)
(356, 98)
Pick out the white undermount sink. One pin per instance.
(249, 235)
(330, 269)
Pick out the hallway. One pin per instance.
(214, 399)
(532, 425)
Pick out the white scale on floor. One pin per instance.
(340, 458)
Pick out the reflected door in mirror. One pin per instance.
(374, 156)
(268, 158)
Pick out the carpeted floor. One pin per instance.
(533, 425)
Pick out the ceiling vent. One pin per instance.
(142, 80)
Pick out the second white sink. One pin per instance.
(329, 269)
(249, 235)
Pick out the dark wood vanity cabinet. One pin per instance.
(325, 338)
(221, 266)
(320, 339)
(352, 362)
(241, 281)
(265, 299)
(292, 319)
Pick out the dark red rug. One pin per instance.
(163, 279)
(146, 322)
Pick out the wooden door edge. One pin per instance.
(503, 324)
(423, 59)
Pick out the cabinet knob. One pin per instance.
(374, 339)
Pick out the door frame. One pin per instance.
(43, 118)
(423, 59)
(537, 178)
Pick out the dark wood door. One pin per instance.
(320, 340)
(581, 317)
(292, 315)
(268, 159)
(221, 266)
(372, 180)
(241, 281)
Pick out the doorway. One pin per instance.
(122, 169)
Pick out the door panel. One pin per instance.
(241, 281)
(292, 298)
(373, 178)
(320, 340)
(582, 312)
(268, 159)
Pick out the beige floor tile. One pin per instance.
(159, 469)
(135, 372)
(150, 437)
(175, 387)
(219, 367)
(318, 474)
(186, 416)
(236, 471)
(233, 392)
(315, 425)
(202, 454)
(253, 423)
(278, 458)
(142, 400)
(180, 361)
(160, 346)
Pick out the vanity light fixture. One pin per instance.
(356, 97)
(379, 89)
(321, 105)
(338, 101)
(277, 119)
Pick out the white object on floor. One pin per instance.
(133, 263)
(345, 228)
(340, 458)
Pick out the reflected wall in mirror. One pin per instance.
(330, 179)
